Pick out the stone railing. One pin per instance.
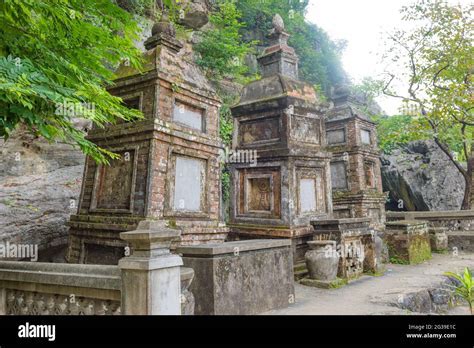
(149, 281)
(456, 220)
(29, 288)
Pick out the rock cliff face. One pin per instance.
(39, 189)
(423, 178)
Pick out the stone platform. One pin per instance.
(243, 277)
(355, 243)
(408, 241)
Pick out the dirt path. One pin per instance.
(378, 295)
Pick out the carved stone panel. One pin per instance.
(189, 115)
(369, 169)
(189, 184)
(19, 302)
(261, 131)
(310, 191)
(342, 213)
(307, 195)
(339, 175)
(259, 192)
(336, 136)
(306, 129)
(114, 184)
(365, 137)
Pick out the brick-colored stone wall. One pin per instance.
(155, 143)
(363, 196)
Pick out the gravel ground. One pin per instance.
(378, 295)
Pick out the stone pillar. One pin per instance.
(3, 301)
(408, 241)
(151, 274)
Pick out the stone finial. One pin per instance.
(278, 24)
(151, 238)
(163, 33)
(341, 92)
(164, 26)
(278, 57)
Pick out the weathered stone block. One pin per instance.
(246, 277)
(408, 241)
(355, 244)
(438, 239)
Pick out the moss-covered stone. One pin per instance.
(323, 284)
(408, 242)
(419, 249)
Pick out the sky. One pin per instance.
(361, 23)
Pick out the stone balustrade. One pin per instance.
(459, 225)
(455, 220)
(149, 281)
(30, 288)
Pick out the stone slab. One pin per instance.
(257, 278)
(209, 250)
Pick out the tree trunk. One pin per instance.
(468, 200)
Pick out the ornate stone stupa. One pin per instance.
(281, 118)
(169, 168)
(355, 167)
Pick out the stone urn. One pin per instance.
(322, 260)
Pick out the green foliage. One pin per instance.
(225, 182)
(55, 53)
(395, 131)
(465, 289)
(319, 56)
(436, 56)
(138, 7)
(221, 50)
(226, 121)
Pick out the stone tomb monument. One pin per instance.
(281, 118)
(355, 167)
(169, 168)
(355, 245)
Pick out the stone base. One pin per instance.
(239, 278)
(355, 243)
(324, 284)
(361, 205)
(408, 241)
(463, 241)
(94, 239)
(298, 236)
(438, 240)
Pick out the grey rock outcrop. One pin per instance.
(422, 176)
(39, 189)
(195, 13)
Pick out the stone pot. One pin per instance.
(322, 260)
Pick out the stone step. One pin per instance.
(300, 266)
(462, 240)
(300, 271)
